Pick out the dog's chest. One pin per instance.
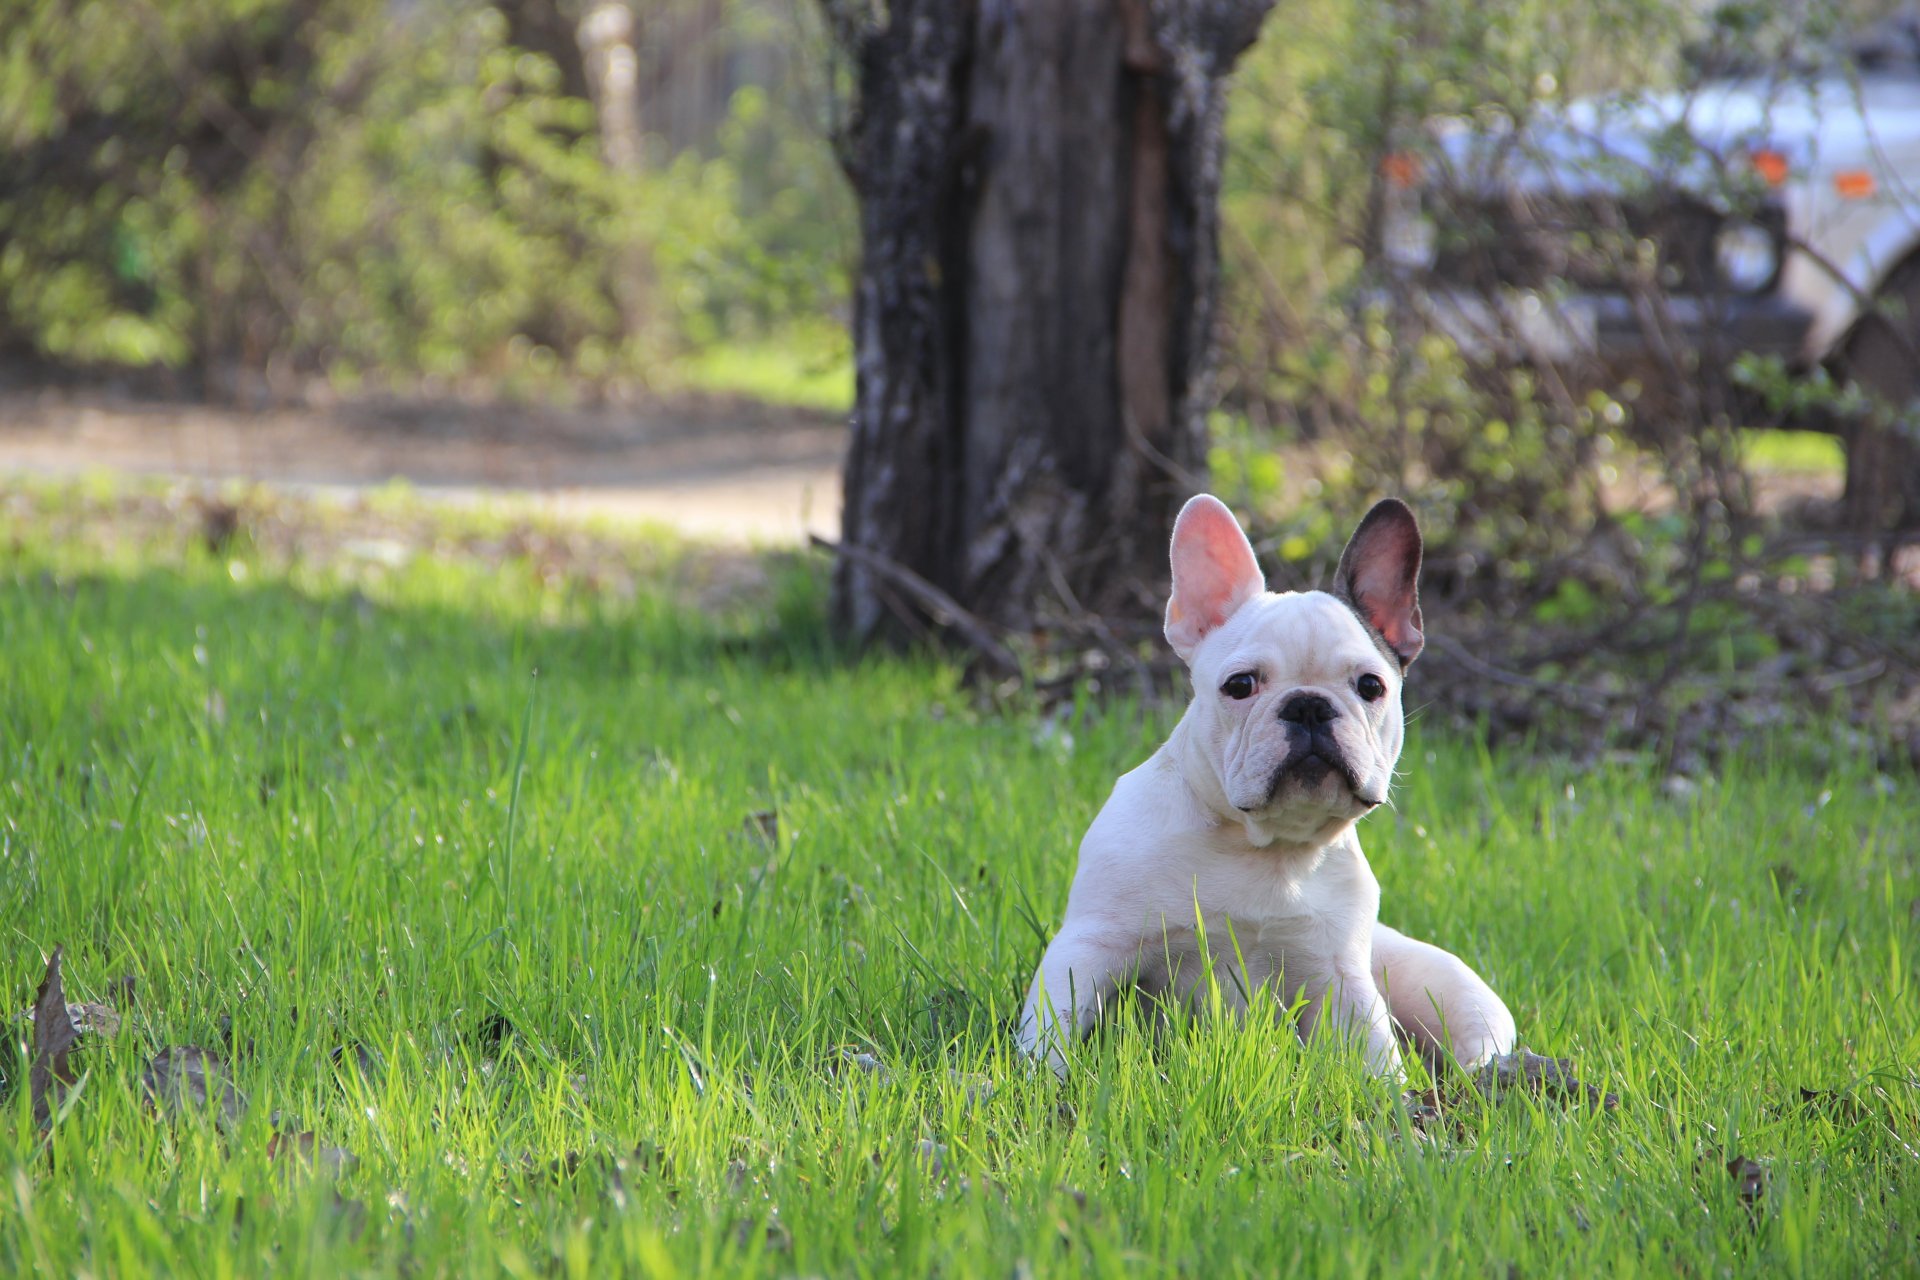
(1270, 912)
(1241, 956)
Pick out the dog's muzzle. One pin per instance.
(1313, 753)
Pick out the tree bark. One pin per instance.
(549, 27)
(612, 61)
(1038, 183)
(612, 64)
(1882, 441)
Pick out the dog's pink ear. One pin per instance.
(1379, 575)
(1214, 572)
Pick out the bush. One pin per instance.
(299, 187)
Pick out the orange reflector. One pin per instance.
(1771, 166)
(1853, 184)
(1400, 168)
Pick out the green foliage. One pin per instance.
(345, 188)
(1330, 88)
(278, 784)
(457, 219)
(1806, 452)
(757, 236)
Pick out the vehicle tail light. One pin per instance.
(1854, 184)
(1400, 168)
(1770, 165)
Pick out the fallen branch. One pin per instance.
(1569, 695)
(942, 607)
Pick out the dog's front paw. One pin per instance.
(1041, 1049)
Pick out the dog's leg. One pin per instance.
(1347, 1002)
(1447, 1009)
(1078, 978)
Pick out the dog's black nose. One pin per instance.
(1308, 710)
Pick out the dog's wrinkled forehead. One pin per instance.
(1309, 636)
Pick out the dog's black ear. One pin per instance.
(1379, 575)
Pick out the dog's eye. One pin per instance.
(1371, 687)
(1239, 686)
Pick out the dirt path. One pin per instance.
(733, 472)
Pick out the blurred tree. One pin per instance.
(256, 193)
(689, 71)
(550, 28)
(1032, 332)
(613, 73)
(606, 36)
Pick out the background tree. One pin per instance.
(1032, 332)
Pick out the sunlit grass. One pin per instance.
(1811, 452)
(778, 374)
(285, 797)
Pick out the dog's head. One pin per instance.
(1296, 703)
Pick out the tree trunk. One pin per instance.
(612, 62)
(1883, 448)
(549, 27)
(1038, 183)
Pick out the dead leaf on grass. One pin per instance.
(778, 1239)
(977, 1087)
(1751, 1179)
(1424, 1108)
(560, 1168)
(932, 1157)
(54, 1038)
(188, 1078)
(304, 1151)
(1556, 1078)
(496, 1029)
(219, 524)
(646, 1160)
(349, 1216)
(1843, 1107)
(1786, 880)
(358, 1057)
(762, 825)
(119, 996)
(865, 1063)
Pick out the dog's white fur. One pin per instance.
(1230, 842)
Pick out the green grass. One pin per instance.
(776, 373)
(1811, 452)
(330, 801)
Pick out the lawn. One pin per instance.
(696, 952)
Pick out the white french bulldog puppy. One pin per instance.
(1238, 835)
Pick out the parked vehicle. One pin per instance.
(1665, 235)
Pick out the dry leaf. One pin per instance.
(1546, 1077)
(1751, 1177)
(865, 1063)
(497, 1029)
(932, 1157)
(774, 1232)
(304, 1150)
(188, 1078)
(350, 1216)
(54, 1038)
(360, 1057)
(1424, 1108)
(91, 1019)
(978, 1087)
(1843, 1108)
